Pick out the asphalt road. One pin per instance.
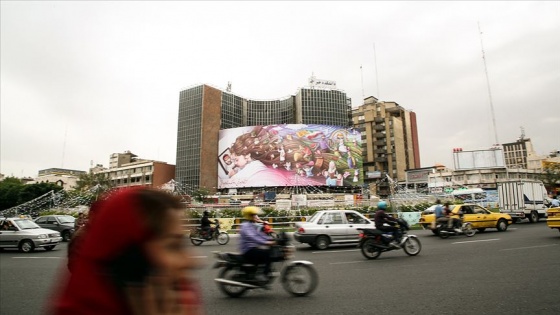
(512, 272)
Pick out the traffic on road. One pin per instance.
(493, 273)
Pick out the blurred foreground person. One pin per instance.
(132, 259)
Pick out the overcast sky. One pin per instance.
(83, 79)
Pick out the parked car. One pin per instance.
(61, 223)
(327, 227)
(26, 235)
(480, 218)
(553, 218)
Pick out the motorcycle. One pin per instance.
(444, 231)
(373, 242)
(198, 237)
(236, 277)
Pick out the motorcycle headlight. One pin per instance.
(40, 236)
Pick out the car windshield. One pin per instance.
(25, 224)
(314, 217)
(66, 219)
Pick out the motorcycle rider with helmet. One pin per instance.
(382, 217)
(205, 225)
(254, 244)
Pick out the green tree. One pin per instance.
(100, 182)
(9, 192)
(551, 176)
(200, 194)
(30, 192)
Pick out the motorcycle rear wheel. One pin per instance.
(300, 279)
(369, 250)
(233, 274)
(412, 246)
(443, 233)
(194, 240)
(222, 238)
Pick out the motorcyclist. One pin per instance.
(451, 221)
(254, 244)
(205, 222)
(439, 213)
(554, 203)
(382, 217)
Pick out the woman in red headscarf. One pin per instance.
(132, 259)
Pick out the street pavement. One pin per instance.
(512, 272)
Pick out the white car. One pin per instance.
(26, 235)
(328, 227)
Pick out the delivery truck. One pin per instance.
(523, 199)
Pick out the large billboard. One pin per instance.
(467, 160)
(289, 155)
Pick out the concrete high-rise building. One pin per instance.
(516, 153)
(390, 142)
(204, 110)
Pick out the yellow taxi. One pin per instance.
(553, 220)
(480, 218)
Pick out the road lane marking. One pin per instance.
(488, 240)
(336, 251)
(347, 262)
(529, 247)
(38, 257)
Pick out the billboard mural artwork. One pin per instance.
(289, 155)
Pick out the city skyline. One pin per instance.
(83, 80)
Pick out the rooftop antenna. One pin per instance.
(522, 133)
(362, 72)
(228, 89)
(376, 78)
(489, 91)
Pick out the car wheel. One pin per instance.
(50, 247)
(502, 225)
(322, 242)
(482, 230)
(66, 236)
(534, 217)
(26, 246)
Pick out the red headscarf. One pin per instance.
(117, 225)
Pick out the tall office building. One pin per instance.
(390, 142)
(204, 110)
(516, 153)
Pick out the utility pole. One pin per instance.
(489, 91)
